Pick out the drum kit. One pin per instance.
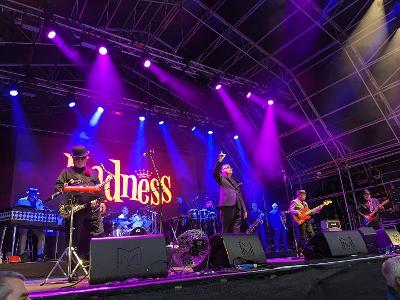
(144, 221)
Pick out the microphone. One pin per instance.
(148, 152)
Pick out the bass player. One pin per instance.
(305, 229)
(371, 205)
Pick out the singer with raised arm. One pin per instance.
(231, 203)
(90, 216)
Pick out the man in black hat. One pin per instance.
(231, 204)
(306, 230)
(90, 216)
(31, 200)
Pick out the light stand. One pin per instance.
(70, 253)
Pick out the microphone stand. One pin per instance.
(160, 187)
(293, 230)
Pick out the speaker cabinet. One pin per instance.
(120, 258)
(235, 249)
(335, 244)
(370, 238)
(388, 237)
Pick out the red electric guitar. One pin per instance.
(304, 214)
(372, 216)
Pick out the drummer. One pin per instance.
(123, 217)
(183, 208)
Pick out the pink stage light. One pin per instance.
(218, 86)
(147, 63)
(248, 95)
(270, 102)
(52, 34)
(103, 50)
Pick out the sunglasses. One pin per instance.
(80, 158)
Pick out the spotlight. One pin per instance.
(210, 132)
(142, 118)
(51, 34)
(218, 86)
(13, 92)
(72, 104)
(161, 122)
(147, 63)
(270, 102)
(103, 50)
(100, 110)
(248, 95)
(236, 137)
(193, 128)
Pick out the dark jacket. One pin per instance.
(230, 193)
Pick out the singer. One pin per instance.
(231, 204)
(89, 217)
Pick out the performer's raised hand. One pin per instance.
(221, 156)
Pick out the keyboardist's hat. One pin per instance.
(32, 191)
(79, 151)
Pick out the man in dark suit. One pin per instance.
(231, 203)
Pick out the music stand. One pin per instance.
(70, 251)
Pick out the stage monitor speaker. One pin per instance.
(234, 249)
(120, 258)
(335, 244)
(388, 237)
(370, 238)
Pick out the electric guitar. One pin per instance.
(372, 216)
(254, 226)
(304, 214)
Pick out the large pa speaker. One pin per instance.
(388, 237)
(335, 244)
(370, 238)
(120, 258)
(234, 249)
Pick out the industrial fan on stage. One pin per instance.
(193, 248)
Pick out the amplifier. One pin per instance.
(331, 225)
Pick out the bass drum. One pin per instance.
(138, 231)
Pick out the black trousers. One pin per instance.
(89, 218)
(306, 232)
(231, 219)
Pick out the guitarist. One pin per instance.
(254, 215)
(90, 216)
(369, 205)
(305, 230)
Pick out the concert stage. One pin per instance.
(343, 278)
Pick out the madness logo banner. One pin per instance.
(141, 186)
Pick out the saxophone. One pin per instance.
(254, 226)
(65, 210)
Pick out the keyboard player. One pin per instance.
(31, 200)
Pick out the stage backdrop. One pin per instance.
(40, 158)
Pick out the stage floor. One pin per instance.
(285, 278)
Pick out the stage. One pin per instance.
(283, 278)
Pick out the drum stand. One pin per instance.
(71, 254)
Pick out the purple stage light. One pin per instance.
(161, 123)
(103, 50)
(210, 132)
(248, 95)
(100, 110)
(71, 104)
(270, 102)
(193, 128)
(235, 137)
(147, 63)
(218, 86)
(142, 118)
(13, 92)
(51, 35)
